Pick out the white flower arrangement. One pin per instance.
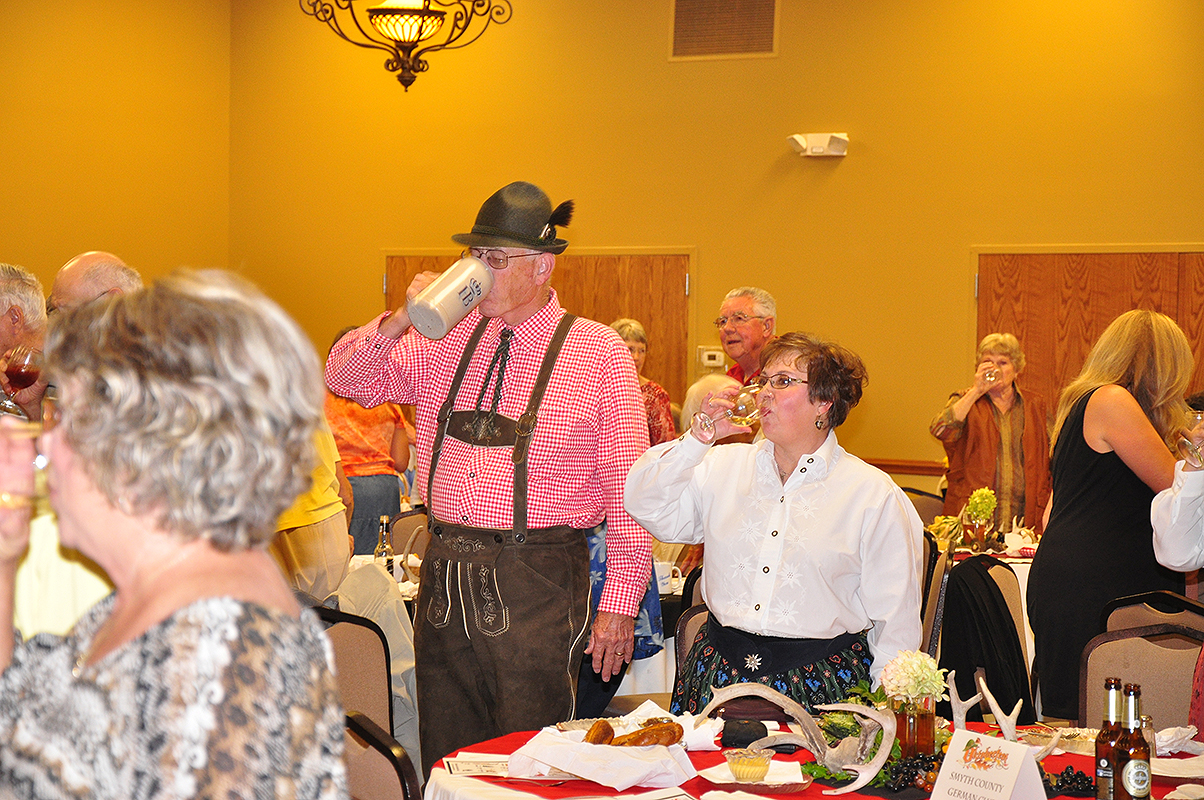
(913, 676)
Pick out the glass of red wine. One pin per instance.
(23, 370)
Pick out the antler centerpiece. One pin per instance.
(847, 756)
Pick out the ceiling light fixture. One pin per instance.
(403, 25)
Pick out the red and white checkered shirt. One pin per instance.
(591, 428)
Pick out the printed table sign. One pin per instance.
(982, 767)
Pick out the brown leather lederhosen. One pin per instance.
(502, 615)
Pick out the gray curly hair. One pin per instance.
(193, 401)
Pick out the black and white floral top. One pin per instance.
(223, 699)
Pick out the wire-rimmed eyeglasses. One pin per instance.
(779, 382)
(739, 318)
(496, 259)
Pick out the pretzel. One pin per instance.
(663, 733)
(600, 733)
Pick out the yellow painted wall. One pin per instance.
(984, 123)
(994, 122)
(114, 132)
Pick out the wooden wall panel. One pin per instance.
(650, 288)
(1191, 311)
(1057, 304)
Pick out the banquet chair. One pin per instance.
(983, 627)
(361, 660)
(934, 601)
(1162, 658)
(929, 554)
(409, 529)
(378, 768)
(929, 506)
(1152, 608)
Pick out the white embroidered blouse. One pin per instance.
(835, 550)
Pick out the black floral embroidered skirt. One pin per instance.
(826, 680)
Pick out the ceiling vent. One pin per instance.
(724, 28)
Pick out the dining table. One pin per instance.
(442, 785)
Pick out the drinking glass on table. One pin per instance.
(1189, 451)
(23, 370)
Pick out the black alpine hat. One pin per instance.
(519, 215)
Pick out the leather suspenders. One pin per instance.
(523, 429)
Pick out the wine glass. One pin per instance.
(23, 483)
(23, 370)
(991, 375)
(744, 411)
(1189, 450)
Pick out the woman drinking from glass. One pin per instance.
(183, 427)
(811, 566)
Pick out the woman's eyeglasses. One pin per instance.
(779, 381)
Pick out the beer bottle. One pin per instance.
(384, 545)
(1131, 762)
(1105, 743)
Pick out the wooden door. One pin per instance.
(1057, 305)
(604, 287)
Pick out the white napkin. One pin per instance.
(715, 794)
(617, 767)
(1178, 767)
(1178, 740)
(1188, 791)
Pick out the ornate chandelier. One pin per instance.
(403, 25)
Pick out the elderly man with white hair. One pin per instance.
(746, 321)
(22, 314)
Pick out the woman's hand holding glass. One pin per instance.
(18, 453)
(986, 377)
(22, 381)
(1191, 441)
(716, 418)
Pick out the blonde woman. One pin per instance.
(1111, 453)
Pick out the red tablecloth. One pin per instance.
(703, 759)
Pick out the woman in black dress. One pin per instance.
(1112, 441)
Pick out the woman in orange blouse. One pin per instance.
(375, 450)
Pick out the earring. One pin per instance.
(819, 423)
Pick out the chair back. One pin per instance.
(362, 668)
(409, 529)
(985, 629)
(1152, 608)
(378, 768)
(929, 554)
(1162, 658)
(1009, 587)
(934, 602)
(928, 506)
(687, 628)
